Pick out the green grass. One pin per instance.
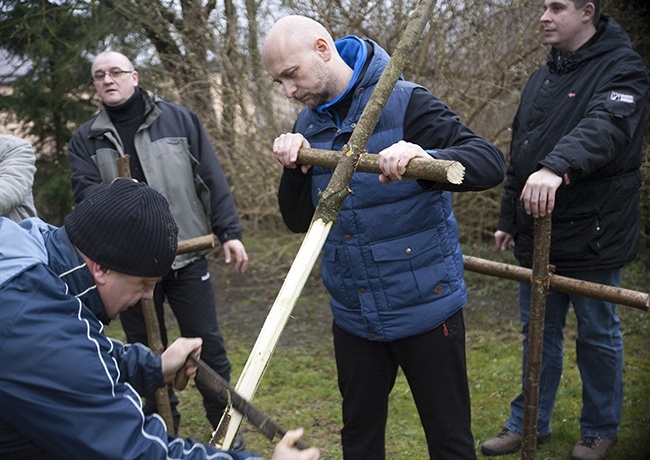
(494, 369)
(300, 388)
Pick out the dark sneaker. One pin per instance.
(591, 448)
(238, 444)
(507, 442)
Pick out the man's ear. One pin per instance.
(588, 12)
(323, 49)
(97, 271)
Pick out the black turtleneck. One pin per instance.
(127, 118)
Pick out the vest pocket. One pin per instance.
(337, 283)
(412, 269)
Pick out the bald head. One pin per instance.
(295, 34)
(300, 54)
(114, 78)
(113, 57)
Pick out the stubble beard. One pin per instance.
(322, 93)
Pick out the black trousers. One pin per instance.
(435, 368)
(191, 297)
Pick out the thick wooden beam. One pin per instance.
(445, 171)
(618, 295)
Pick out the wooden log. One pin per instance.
(196, 244)
(149, 309)
(123, 167)
(155, 344)
(618, 295)
(445, 171)
(152, 324)
(325, 215)
(539, 290)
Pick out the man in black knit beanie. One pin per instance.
(67, 390)
(169, 150)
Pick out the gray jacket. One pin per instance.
(177, 160)
(16, 178)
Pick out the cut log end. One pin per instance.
(456, 173)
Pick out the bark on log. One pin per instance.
(444, 171)
(163, 404)
(618, 295)
(196, 244)
(539, 289)
(123, 167)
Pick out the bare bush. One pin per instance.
(475, 55)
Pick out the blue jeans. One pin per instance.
(599, 349)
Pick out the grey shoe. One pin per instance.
(507, 442)
(591, 448)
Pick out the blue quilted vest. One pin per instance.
(391, 263)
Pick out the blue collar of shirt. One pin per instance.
(354, 53)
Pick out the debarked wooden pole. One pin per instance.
(279, 314)
(618, 295)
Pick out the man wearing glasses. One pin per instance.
(168, 149)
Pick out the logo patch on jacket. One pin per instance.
(620, 97)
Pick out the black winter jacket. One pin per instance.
(582, 115)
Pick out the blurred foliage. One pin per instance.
(51, 94)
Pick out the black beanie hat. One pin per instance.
(126, 227)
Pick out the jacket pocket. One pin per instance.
(106, 161)
(412, 269)
(576, 235)
(337, 278)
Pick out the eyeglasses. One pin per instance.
(115, 73)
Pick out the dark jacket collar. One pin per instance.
(609, 35)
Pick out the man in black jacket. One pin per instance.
(576, 152)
